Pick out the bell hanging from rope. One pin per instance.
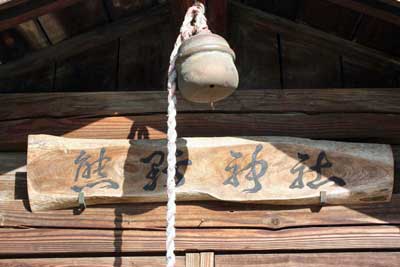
(205, 68)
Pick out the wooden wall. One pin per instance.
(279, 44)
(124, 45)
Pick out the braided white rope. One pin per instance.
(194, 22)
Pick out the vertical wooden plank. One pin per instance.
(93, 69)
(29, 81)
(123, 8)
(379, 34)
(73, 20)
(192, 260)
(217, 16)
(283, 8)
(207, 259)
(366, 73)
(306, 64)
(144, 58)
(329, 17)
(257, 57)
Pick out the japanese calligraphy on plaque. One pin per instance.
(271, 170)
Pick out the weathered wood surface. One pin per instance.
(14, 210)
(365, 259)
(69, 241)
(30, 9)
(91, 104)
(378, 10)
(86, 41)
(202, 259)
(327, 41)
(94, 261)
(16, 214)
(250, 169)
(344, 126)
(207, 259)
(73, 20)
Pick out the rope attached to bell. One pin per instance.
(194, 23)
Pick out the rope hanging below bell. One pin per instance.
(203, 64)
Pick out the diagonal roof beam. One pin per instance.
(85, 41)
(21, 12)
(379, 9)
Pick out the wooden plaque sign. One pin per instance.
(275, 170)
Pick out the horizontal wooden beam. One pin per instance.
(59, 105)
(384, 11)
(336, 126)
(16, 214)
(85, 41)
(21, 12)
(74, 241)
(353, 259)
(149, 261)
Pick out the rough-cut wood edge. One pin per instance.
(149, 261)
(68, 241)
(348, 259)
(327, 41)
(361, 187)
(58, 105)
(336, 126)
(15, 213)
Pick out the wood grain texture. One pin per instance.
(16, 213)
(382, 39)
(257, 55)
(330, 17)
(123, 8)
(21, 40)
(30, 9)
(217, 15)
(365, 259)
(285, 170)
(207, 259)
(192, 259)
(285, 8)
(144, 58)
(355, 126)
(91, 262)
(364, 73)
(94, 68)
(67, 241)
(306, 65)
(42, 78)
(377, 10)
(96, 104)
(73, 20)
(326, 41)
(86, 41)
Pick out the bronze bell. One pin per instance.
(206, 69)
